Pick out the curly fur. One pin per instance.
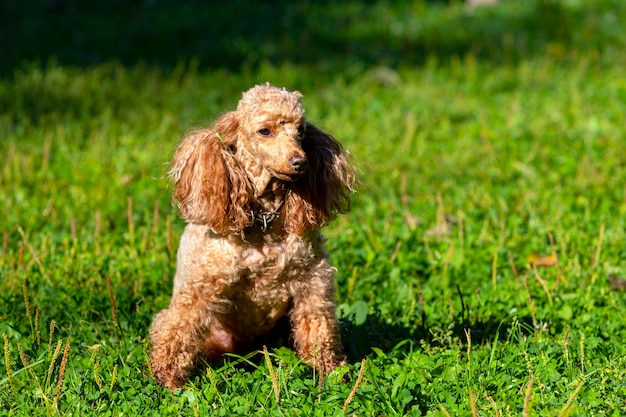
(254, 189)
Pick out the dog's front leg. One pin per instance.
(182, 335)
(315, 329)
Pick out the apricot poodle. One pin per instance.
(254, 188)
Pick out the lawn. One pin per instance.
(481, 271)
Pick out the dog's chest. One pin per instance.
(292, 252)
(262, 294)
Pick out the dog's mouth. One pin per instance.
(288, 177)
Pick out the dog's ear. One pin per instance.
(209, 185)
(326, 186)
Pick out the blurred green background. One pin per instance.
(322, 34)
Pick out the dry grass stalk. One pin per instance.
(53, 360)
(23, 356)
(444, 410)
(513, 268)
(446, 260)
(528, 398)
(567, 408)
(45, 158)
(273, 375)
(394, 255)
(211, 376)
(96, 375)
(531, 303)
(559, 275)
(468, 337)
(62, 368)
(543, 284)
(113, 378)
(473, 404)
(27, 303)
(74, 229)
(355, 388)
(410, 218)
(37, 326)
(566, 343)
(52, 326)
(129, 218)
(7, 362)
(498, 412)
(34, 255)
(113, 304)
(155, 216)
(148, 362)
(582, 353)
(26, 364)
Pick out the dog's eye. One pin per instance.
(301, 131)
(265, 132)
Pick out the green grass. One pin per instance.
(474, 159)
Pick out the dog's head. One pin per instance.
(271, 129)
(218, 172)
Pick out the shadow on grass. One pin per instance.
(238, 34)
(376, 332)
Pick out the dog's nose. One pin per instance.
(298, 163)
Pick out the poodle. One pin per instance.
(254, 189)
